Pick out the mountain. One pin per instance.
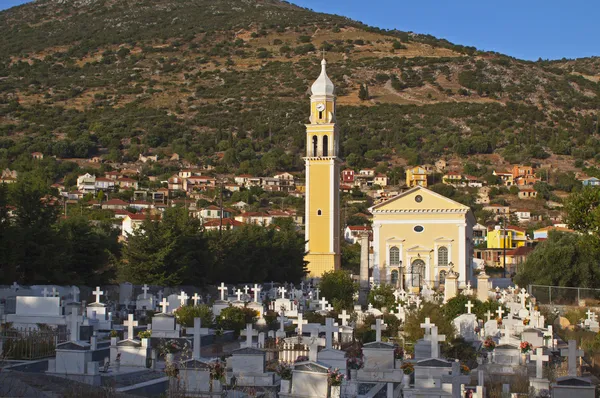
(230, 77)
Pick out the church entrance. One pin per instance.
(416, 273)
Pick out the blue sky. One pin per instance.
(526, 29)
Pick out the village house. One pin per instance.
(9, 176)
(214, 212)
(510, 237)
(527, 193)
(506, 178)
(479, 234)
(175, 183)
(131, 222)
(348, 176)
(257, 218)
(440, 165)
(381, 180)
(115, 204)
(590, 182)
(519, 170)
(516, 257)
(185, 173)
(473, 181)
(542, 233)
(523, 215)
(499, 211)
(352, 233)
(127, 183)
(199, 183)
(149, 158)
(86, 183)
(453, 178)
(232, 187)
(113, 175)
(141, 205)
(225, 224)
(104, 184)
(37, 155)
(367, 172)
(416, 176)
(242, 179)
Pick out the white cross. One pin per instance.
(45, 292)
(246, 288)
(427, 326)
(400, 308)
(523, 297)
(469, 306)
(572, 353)
(457, 379)
(256, 291)
(323, 303)
(54, 292)
(329, 329)
(435, 339)
(500, 312)
(378, 327)
(15, 286)
(418, 302)
(282, 291)
(145, 288)
(238, 293)
(539, 361)
(370, 306)
(344, 317)
(281, 321)
(317, 293)
(196, 298)
(164, 304)
(223, 290)
(130, 323)
(98, 293)
(300, 321)
(196, 348)
(329, 307)
(249, 333)
(591, 315)
(396, 295)
(75, 293)
(488, 315)
(183, 298)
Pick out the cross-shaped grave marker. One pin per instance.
(427, 326)
(164, 304)
(344, 317)
(435, 339)
(539, 359)
(256, 291)
(15, 286)
(196, 298)
(317, 293)
(282, 291)
(591, 315)
(75, 294)
(488, 315)
(457, 379)
(249, 333)
(45, 292)
(160, 295)
(299, 321)
(238, 293)
(223, 290)
(323, 303)
(55, 292)
(469, 306)
(378, 327)
(246, 288)
(500, 312)
(330, 328)
(396, 295)
(183, 297)
(98, 293)
(418, 302)
(145, 288)
(130, 323)
(572, 353)
(523, 297)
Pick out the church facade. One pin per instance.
(322, 207)
(418, 237)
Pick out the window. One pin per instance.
(418, 198)
(325, 145)
(315, 142)
(418, 228)
(319, 212)
(442, 277)
(442, 256)
(394, 277)
(416, 273)
(394, 256)
(320, 115)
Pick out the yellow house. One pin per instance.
(322, 205)
(418, 236)
(416, 176)
(515, 237)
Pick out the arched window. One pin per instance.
(442, 277)
(325, 145)
(416, 273)
(320, 115)
(319, 212)
(394, 277)
(442, 256)
(315, 142)
(394, 256)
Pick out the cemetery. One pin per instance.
(281, 340)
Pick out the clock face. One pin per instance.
(321, 107)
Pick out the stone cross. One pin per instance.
(256, 291)
(282, 291)
(591, 315)
(313, 349)
(223, 290)
(323, 303)
(317, 293)
(249, 333)
(500, 312)
(344, 317)
(195, 297)
(396, 295)
(572, 353)
(427, 326)
(238, 293)
(435, 339)
(488, 315)
(418, 302)
(160, 295)
(329, 329)
(456, 380)
(55, 292)
(523, 297)
(75, 325)
(370, 307)
(378, 327)
(469, 306)
(183, 297)
(539, 359)
(98, 293)
(145, 288)
(164, 304)
(196, 348)
(45, 292)
(75, 293)
(130, 323)
(300, 321)
(246, 288)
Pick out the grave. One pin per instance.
(248, 367)
(310, 380)
(31, 311)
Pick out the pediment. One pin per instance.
(418, 249)
(429, 202)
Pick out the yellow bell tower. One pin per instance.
(322, 180)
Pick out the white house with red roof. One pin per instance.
(351, 233)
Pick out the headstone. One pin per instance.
(572, 353)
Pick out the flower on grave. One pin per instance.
(355, 363)
(544, 393)
(464, 369)
(489, 344)
(113, 333)
(335, 377)
(170, 347)
(145, 334)
(499, 321)
(217, 370)
(407, 368)
(398, 353)
(525, 347)
(284, 371)
(526, 321)
(301, 358)
(477, 329)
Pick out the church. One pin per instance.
(418, 236)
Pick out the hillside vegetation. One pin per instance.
(118, 78)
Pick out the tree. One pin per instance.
(382, 296)
(412, 326)
(363, 92)
(583, 211)
(351, 257)
(339, 289)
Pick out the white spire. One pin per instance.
(323, 85)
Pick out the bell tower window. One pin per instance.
(320, 115)
(315, 142)
(325, 145)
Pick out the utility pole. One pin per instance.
(221, 214)
(504, 245)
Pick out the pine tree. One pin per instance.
(363, 93)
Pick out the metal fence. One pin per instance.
(560, 295)
(29, 343)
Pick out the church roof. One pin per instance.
(323, 85)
